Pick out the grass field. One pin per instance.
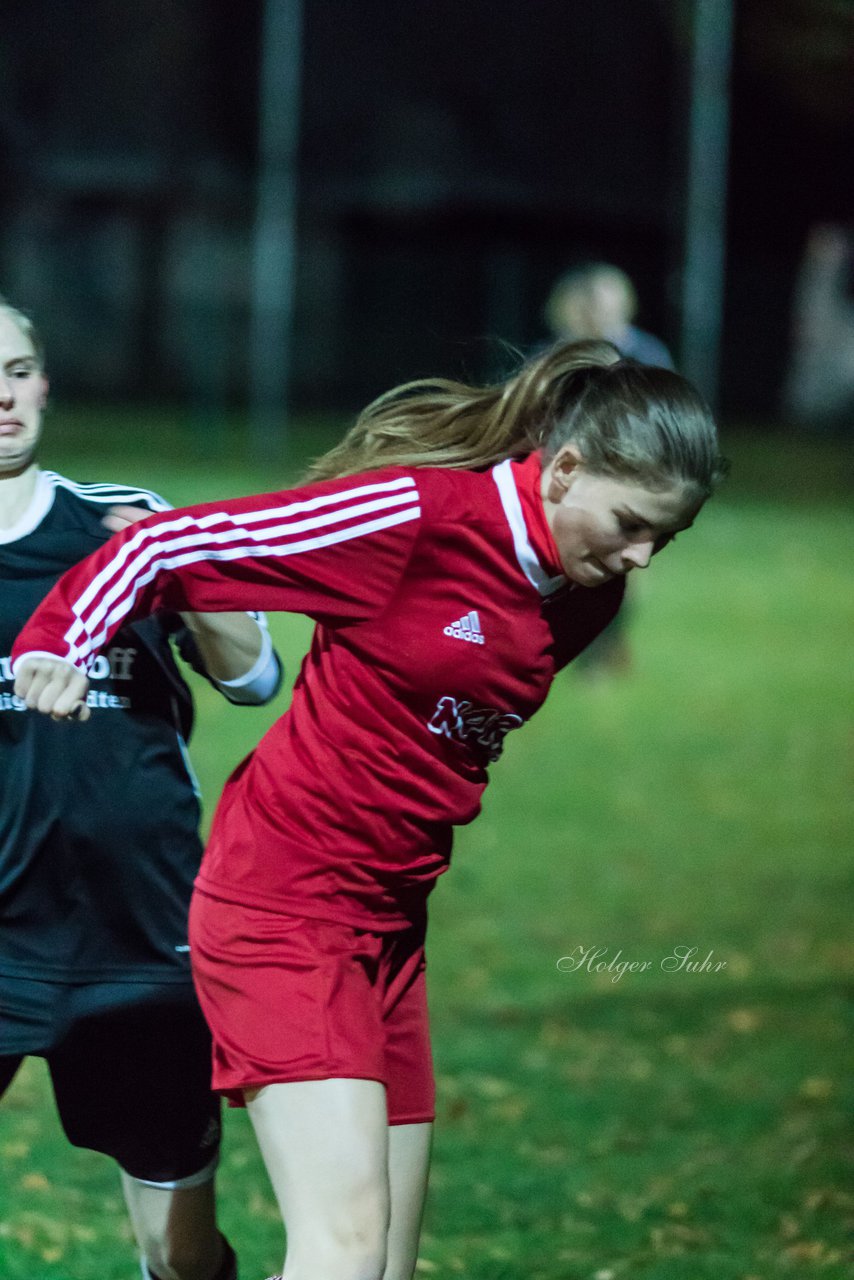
(662, 1124)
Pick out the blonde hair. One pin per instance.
(27, 328)
(625, 419)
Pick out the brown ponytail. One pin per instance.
(624, 418)
(441, 423)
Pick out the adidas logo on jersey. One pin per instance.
(466, 628)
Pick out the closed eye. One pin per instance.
(663, 540)
(630, 527)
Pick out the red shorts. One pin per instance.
(289, 998)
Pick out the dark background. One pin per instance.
(454, 157)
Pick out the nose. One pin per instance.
(638, 555)
(7, 391)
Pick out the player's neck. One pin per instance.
(16, 494)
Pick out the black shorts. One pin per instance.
(130, 1064)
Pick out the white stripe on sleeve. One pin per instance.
(173, 544)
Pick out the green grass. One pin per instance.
(663, 1126)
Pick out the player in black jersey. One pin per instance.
(98, 850)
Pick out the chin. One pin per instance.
(14, 465)
(585, 580)
(591, 575)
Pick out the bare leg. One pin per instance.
(176, 1229)
(325, 1145)
(408, 1166)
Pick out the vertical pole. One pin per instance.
(275, 235)
(705, 193)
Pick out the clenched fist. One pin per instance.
(54, 687)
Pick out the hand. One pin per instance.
(121, 516)
(54, 687)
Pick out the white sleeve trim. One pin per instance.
(43, 653)
(261, 681)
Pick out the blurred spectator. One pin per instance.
(819, 391)
(598, 300)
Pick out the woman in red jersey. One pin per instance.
(458, 548)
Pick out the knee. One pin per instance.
(356, 1260)
(354, 1264)
(351, 1247)
(358, 1254)
(339, 1260)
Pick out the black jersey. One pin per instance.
(99, 822)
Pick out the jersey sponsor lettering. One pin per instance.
(484, 727)
(117, 664)
(107, 701)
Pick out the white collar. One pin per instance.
(529, 561)
(35, 511)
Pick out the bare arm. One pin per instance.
(235, 649)
(237, 654)
(229, 644)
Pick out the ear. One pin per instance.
(561, 472)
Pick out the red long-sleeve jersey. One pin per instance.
(442, 616)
